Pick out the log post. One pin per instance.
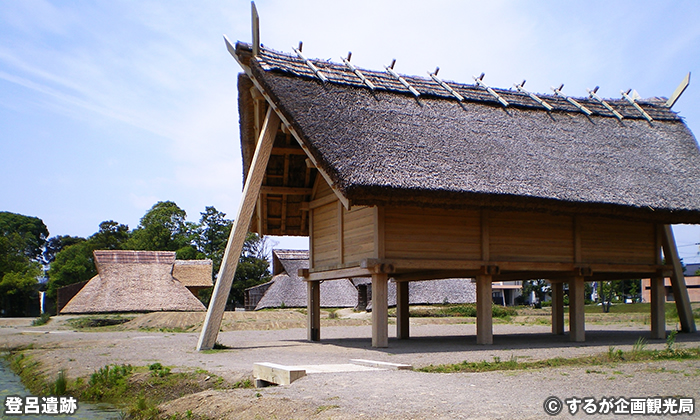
(484, 315)
(557, 308)
(215, 313)
(577, 331)
(680, 292)
(658, 309)
(313, 310)
(380, 316)
(402, 318)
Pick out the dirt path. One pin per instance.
(375, 394)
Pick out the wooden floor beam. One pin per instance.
(313, 310)
(558, 308)
(658, 308)
(380, 312)
(402, 318)
(251, 190)
(680, 292)
(484, 315)
(577, 324)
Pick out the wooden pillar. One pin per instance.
(558, 308)
(313, 310)
(658, 310)
(234, 246)
(577, 330)
(380, 316)
(402, 328)
(484, 315)
(680, 292)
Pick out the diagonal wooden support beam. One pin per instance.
(680, 292)
(215, 313)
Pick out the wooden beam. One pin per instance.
(340, 232)
(485, 235)
(322, 201)
(680, 292)
(435, 275)
(341, 273)
(658, 308)
(215, 313)
(285, 190)
(313, 310)
(379, 232)
(402, 317)
(577, 240)
(577, 327)
(557, 308)
(484, 315)
(286, 151)
(380, 311)
(232, 50)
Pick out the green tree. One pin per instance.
(31, 231)
(111, 235)
(212, 235)
(55, 244)
(540, 287)
(73, 264)
(252, 270)
(17, 288)
(22, 239)
(162, 228)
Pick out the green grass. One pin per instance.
(637, 354)
(462, 310)
(98, 321)
(43, 319)
(136, 390)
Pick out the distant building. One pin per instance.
(139, 281)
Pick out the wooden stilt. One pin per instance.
(313, 310)
(680, 292)
(577, 331)
(484, 315)
(558, 308)
(215, 313)
(658, 310)
(402, 327)
(380, 317)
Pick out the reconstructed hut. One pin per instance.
(288, 289)
(134, 281)
(431, 292)
(195, 275)
(416, 178)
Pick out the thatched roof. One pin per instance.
(193, 273)
(290, 290)
(433, 292)
(133, 281)
(388, 147)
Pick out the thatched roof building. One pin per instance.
(195, 275)
(135, 281)
(415, 178)
(287, 289)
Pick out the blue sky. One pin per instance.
(108, 107)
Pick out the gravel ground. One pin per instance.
(377, 394)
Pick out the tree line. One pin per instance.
(26, 251)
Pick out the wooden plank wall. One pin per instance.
(341, 236)
(427, 233)
(521, 236)
(347, 237)
(622, 241)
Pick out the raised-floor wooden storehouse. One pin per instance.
(415, 178)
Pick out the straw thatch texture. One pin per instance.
(193, 273)
(133, 281)
(387, 147)
(289, 290)
(432, 292)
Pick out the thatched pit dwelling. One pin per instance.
(140, 281)
(387, 183)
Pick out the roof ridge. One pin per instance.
(338, 73)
